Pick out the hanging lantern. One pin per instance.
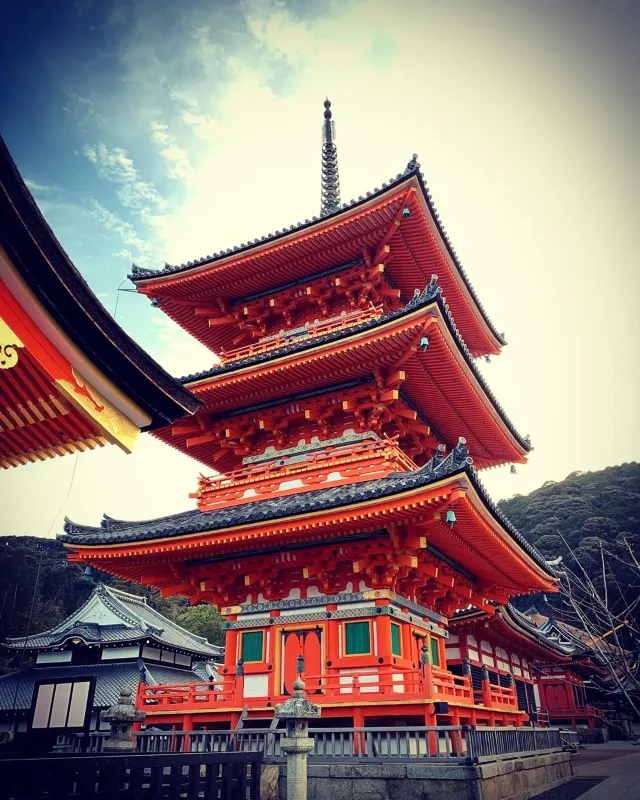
(513, 469)
(451, 518)
(87, 575)
(155, 302)
(424, 343)
(406, 213)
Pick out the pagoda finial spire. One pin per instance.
(330, 195)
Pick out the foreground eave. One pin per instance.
(64, 296)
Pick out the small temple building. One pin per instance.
(569, 691)
(551, 671)
(116, 637)
(70, 378)
(344, 427)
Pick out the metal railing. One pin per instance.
(442, 744)
(504, 741)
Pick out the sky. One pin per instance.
(152, 131)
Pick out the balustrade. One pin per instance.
(428, 681)
(313, 330)
(436, 743)
(362, 458)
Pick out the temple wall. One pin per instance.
(484, 652)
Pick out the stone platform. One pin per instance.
(519, 777)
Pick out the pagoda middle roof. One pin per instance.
(512, 444)
(324, 242)
(457, 465)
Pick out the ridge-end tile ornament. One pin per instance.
(121, 717)
(9, 346)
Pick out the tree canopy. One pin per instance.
(574, 517)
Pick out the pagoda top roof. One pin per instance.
(513, 619)
(111, 616)
(456, 464)
(431, 295)
(68, 302)
(412, 176)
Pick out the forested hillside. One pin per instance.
(39, 588)
(570, 518)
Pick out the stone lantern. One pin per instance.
(121, 717)
(296, 743)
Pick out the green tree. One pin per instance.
(203, 620)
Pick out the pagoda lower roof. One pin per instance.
(484, 541)
(417, 246)
(443, 383)
(509, 624)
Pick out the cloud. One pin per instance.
(144, 250)
(176, 158)
(113, 164)
(126, 254)
(179, 353)
(40, 188)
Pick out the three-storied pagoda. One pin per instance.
(347, 521)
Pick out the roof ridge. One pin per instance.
(107, 523)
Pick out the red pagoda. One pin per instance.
(346, 520)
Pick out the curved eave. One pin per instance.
(418, 248)
(489, 549)
(59, 290)
(510, 628)
(443, 383)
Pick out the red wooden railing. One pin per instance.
(425, 682)
(362, 457)
(312, 331)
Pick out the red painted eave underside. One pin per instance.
(484, 549)
(32, 421)
(438, 382)
(415, 254)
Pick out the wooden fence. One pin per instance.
(208, 776)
